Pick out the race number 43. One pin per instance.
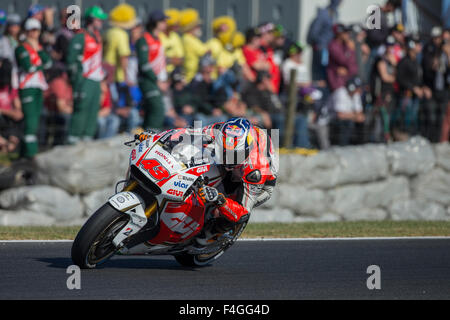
(155, 169)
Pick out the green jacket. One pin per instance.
(24, 61)
(145, 70)
(26, 68)
(75, 56)
(74, 59)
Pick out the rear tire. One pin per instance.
(93, 244)
(190, 260)
(201, 260)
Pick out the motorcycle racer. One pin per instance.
(245, 157)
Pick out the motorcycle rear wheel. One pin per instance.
(93, 244)
(190, 260)
(201, 260)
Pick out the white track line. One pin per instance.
(267, 239)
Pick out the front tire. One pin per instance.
(93, 244)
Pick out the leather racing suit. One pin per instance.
(247, 185)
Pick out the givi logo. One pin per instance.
(202, 169)
(175, 193)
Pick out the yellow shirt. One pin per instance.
(216, 48)
(227, 59)
(173, 47)
(194, 49)
(239, 55)
(117, 45)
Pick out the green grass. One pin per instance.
(273, 230)
(349, 229)
(38, 233)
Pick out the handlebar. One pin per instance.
(139, 137)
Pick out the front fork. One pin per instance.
(130, 203)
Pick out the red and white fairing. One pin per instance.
(181, 211)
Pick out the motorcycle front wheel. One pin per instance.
(93, 244)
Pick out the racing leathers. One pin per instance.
(245, 185)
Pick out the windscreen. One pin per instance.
(186, 146)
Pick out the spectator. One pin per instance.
(362, 50)
(346, 104)
(343, 67)
(12, 29)
(320, 35)
(108, 123)
(431, 51)
(237, 108)
(228, 68)
(6, 50)
(397, 46)
(445, 135)
(267, 31)
(223, 26)
(412, 91)
(382, 83)
(117, 46)
(309, 103)
(31, 61)
(210, 97)
(84, 61)
(184, 101)
(376, 37)
(434, 65)
(10, 110)
(295, 61)
(45, 15)
(59, 106)
(237, 44)
(9, 42)
(253, 54)
(190, 24)
(62, 39)
(171, 40)
(281, 44)
(232, 54)
(130, 96)
(258, 97)
(152, 70)
(342, 63)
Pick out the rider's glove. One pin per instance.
(143, 136)
(211, 196)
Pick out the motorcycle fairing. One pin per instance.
(129, 204)
(180, 221)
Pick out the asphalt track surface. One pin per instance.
(250, 270)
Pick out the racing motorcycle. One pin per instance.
(158, 210)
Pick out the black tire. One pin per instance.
(93, 244)
(190, 260)
(198, 260)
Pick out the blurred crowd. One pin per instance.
(115, 73)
